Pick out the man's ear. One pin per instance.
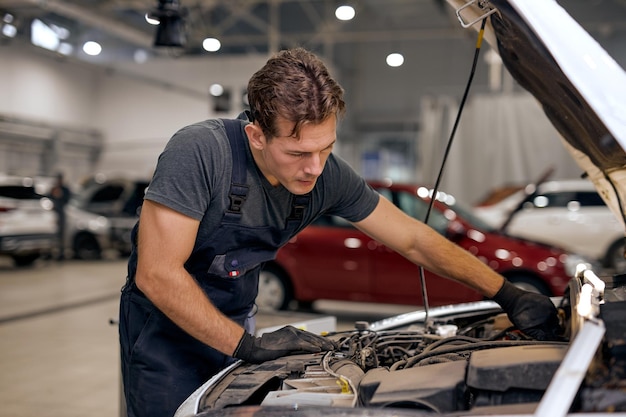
(255, 136)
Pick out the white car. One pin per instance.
(27, 221)
(566, 213)
(101, 216)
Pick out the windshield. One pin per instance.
(470, 217)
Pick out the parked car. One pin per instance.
(101, 216)
(566, 213)
(27, 221)
(331, 259)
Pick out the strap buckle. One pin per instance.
(237, 196)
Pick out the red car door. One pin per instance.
(329, 260)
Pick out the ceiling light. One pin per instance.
(49, 36)
(43, 36)
(8, 27)
(152, 20)
(216, 90)
(395, 59)
(92, 48)
(171, 29)
(65, 48)
(60, 31)
(345, 12)
(9, 30)
(211, 44)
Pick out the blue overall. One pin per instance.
(162, 364)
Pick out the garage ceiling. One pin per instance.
(256, 26)
(242, 26)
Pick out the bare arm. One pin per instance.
(166, 239)
(424, 246)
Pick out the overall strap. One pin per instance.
(238, 188)
(299, 204)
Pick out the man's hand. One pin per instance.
(532, 313)
(287, 340)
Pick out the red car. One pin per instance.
(331, 259)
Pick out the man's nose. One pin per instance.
(315, 165)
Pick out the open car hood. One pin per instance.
(579, 85)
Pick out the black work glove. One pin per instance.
(532, 313)
(280, 343)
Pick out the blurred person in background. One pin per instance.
(225, 196)
(60, 196)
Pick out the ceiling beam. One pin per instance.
(354, 37)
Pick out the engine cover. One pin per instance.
(516, 374)
(438, 387)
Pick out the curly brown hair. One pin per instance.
(295, 85)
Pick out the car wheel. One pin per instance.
(615, 257)
(86, 247)
(529, 283)
(25, 260)
(274, 290)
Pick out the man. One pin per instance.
(60, 196)
(224, 197)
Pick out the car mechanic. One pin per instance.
(224, 197)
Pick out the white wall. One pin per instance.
(46, 89)
(137, 107)
(141, 105)
(503, 139)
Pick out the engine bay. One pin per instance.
(464, 359)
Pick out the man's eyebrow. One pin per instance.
(330, 145)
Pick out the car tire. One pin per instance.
(274, 289)
(614, 259)
(529, 283)
(86, 247)
(25, 260)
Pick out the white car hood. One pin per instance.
(581, 88)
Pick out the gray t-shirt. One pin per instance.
(193, 177)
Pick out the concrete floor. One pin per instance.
(59, 343)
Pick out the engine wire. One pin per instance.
(445, 156)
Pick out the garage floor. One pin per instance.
(58, 338)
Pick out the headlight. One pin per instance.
(46, 203)
(98, 223)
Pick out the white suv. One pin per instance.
(27, 221)
(566, 213)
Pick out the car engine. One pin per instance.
(459, 360)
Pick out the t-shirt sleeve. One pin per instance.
(184, 175)
(352, 198)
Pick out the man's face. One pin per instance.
(296, 163)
